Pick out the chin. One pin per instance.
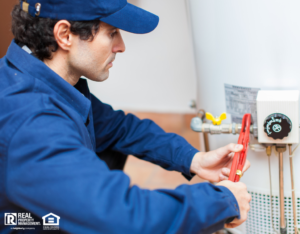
(102, 77)
(99, 78)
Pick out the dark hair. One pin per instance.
(37, 33)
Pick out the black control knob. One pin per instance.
(277, 126)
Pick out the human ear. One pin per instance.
(63, 35)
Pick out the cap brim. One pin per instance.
(132, 19)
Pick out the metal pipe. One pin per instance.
(280, 149)
(293, 189)
(206, 141)
(201, 116)
(269, 152)
(199, 125)
(281, 193)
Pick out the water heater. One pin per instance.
(247, 57)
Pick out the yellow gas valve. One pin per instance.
(215, 120)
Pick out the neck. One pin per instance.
(59, 64)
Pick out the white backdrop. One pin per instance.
(157, 72)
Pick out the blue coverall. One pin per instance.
(50, 135)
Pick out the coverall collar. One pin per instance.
(28, 64)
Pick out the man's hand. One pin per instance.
(215, 165)
(243, 198)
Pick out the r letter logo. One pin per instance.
(10, 219)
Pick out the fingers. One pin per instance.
(231, 225)
(226, 171)
(236, 222)
(235, 147)
(246, 166)
(243, 217)
(243, 198)
(223, 177)
(224, 151)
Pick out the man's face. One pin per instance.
(93, 59)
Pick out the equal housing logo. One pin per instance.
(50, 221)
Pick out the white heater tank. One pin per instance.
(250, 44)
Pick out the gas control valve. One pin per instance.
(277, 116)
(277, 126)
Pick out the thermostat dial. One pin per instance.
(277, 126)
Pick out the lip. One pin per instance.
(110, 64)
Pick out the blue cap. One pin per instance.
(117, 13)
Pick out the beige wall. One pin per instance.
(5, 24)
(157, 71)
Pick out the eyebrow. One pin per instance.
(112, 28)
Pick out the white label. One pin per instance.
(239, 101)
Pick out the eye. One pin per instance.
(113, 33)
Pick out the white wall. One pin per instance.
(156, 73)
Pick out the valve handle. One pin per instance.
(239, 158)
(215, 120)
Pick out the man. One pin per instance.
(59, 144)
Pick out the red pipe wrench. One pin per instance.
(239, 158)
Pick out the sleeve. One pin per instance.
(49, 170)
(141, 138)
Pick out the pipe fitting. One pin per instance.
(197, 125)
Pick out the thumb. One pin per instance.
(229, 148)
(237, 148)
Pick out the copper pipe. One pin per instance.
(206, 141)
(280, 150)
(269, 152)
(293, 189)
(201, 114)
(281, 192)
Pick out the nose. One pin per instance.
(119, 46)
